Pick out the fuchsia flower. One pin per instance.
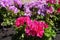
(20, 21)
(33, 27)
(36, 28)
(43, 24)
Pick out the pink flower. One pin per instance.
(27, 12)
(29, 31)
(58, 1)
(35, 28)
(39, 29)
(58, 10)
(50, 9)
(40, 34)
(46, 25)
(14, 9)
(28, 21)
(43, 24)
(18, 2)
(20, 21)
(51, 1)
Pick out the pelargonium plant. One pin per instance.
(39, 7)
(9, 10)
(34, 29)
(55, 16)
(33, 20)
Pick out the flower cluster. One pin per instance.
(54, 6)
(33, 17)
(11, 5)
(36, 28)
(58, 10)
(51, 1)
(50, 9)
(20, 21)
(40, 5)
(33, 27)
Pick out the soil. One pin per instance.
(6, 33)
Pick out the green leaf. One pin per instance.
(49, 4)
(50, 38)
(49, 32)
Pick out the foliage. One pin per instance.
(33, 20)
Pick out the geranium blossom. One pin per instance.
(20, 21)
(33, 27)
(36, 28)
